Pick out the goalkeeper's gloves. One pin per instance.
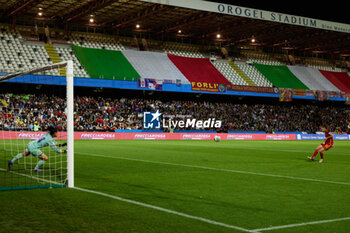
(63, 144)
(64, 151)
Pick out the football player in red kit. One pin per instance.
(323, 146)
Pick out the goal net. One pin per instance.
(32, 153)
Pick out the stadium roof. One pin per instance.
(155, 20)
(332, 11)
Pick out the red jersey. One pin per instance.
(329, 141)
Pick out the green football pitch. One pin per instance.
(191, 186)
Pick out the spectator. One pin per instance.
(29, 112)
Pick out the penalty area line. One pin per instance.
(166, 210)
(300, 224)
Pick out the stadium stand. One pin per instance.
(106, 64)
(340, 79)
(185, 50)
(97, 41)
(17, 56)
(319, 63)
(19, 52)
(261, 58)
(198, 69)
(66, 53)
(154, 65)
(280, 76)
(241, 74)
(253, 74)
(312, 78)
(110, 114)
(51, 51)
(230, 74)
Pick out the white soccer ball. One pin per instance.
(217, 138)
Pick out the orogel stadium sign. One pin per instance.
(153, 120)
(252, 13)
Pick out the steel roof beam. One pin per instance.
(85, 9)
(21, 6)
(142, 14)
(193, 19)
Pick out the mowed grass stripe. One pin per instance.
(165, 210)
(218, 169)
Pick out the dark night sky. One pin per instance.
(336, 11)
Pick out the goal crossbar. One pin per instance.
(34, 70)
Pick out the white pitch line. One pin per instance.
(220, 169)
(144, 205)
(30, 176)
(300, 224)
(166, 210)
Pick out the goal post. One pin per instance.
(70, 124)
(59, 171)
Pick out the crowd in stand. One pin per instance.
(30, 112)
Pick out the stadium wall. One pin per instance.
(168, 136)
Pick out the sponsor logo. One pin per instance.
(30, 135)
(239, 137)
(211, 87)
(150, 136)
(277, 137)
(97, 136)
(196, 136)
(152, 120)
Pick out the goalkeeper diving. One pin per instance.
(35, 146)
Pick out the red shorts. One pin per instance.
(326, 146)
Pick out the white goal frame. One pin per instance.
(70, 109)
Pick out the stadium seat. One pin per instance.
(182, 50)
(254, 74)
(229, 73)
